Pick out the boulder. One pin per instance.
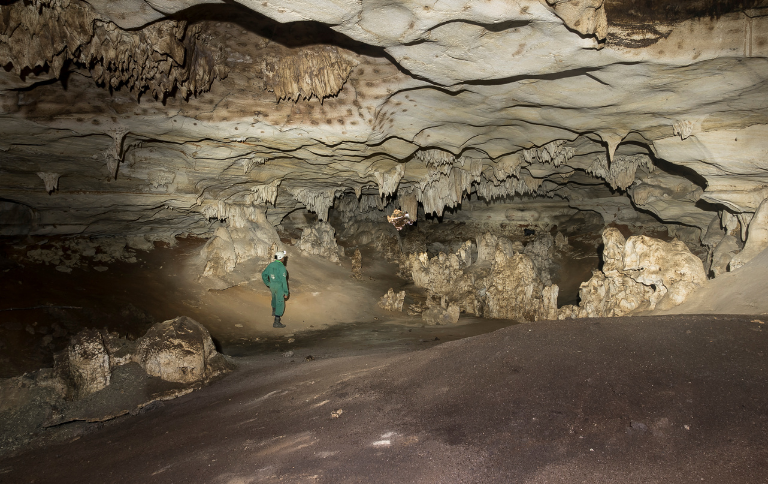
(88, 362)
(437, 315)
(179, 350)
(639, 273)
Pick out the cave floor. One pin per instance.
(643, 399)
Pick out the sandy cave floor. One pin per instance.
(645, 400)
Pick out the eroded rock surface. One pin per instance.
(392, 301)
(320, 239)
(638, 273)
(89, 367)
(179, 350)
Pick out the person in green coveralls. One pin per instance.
(275, 276)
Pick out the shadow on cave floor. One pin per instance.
(364, 338)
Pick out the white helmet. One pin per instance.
(279, 255)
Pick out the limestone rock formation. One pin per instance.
(439, 315)
(179, 350)
(444, 276)
(88, 363)
(669, 267)
(392, 301)
(638, 273)
(173, 118)
(757, 237)
(320, 71)
(320, 239)
(516, 292)
(357, 265)
(723, 253)
(248, 236)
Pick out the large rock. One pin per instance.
(667, 266)
(638, 274)
(179, 350)
(88, 359)
(516, 292)
(320, 239)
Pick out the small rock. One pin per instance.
(639, 426)
(336, 413)
(64, 269)
(291, 340)
(287, 354)
(238, 326)
(309, 358)
(30, 329)
(100, 268)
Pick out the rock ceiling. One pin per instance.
(159, 116)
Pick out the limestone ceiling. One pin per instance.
(157, 116)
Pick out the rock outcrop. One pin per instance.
(638, 273)
(392, 301)
(503, 285)
(320, 239)
(101, 376)
(516, 292)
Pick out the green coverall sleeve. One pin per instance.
(265, 276)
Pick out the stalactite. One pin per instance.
(318, 71)
(621, 172)
(318, 201)
(51, 180)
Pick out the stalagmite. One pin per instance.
(357, 265)
(392, 301)
(638, 273)
(516, 292)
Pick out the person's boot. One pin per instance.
(277, 323)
